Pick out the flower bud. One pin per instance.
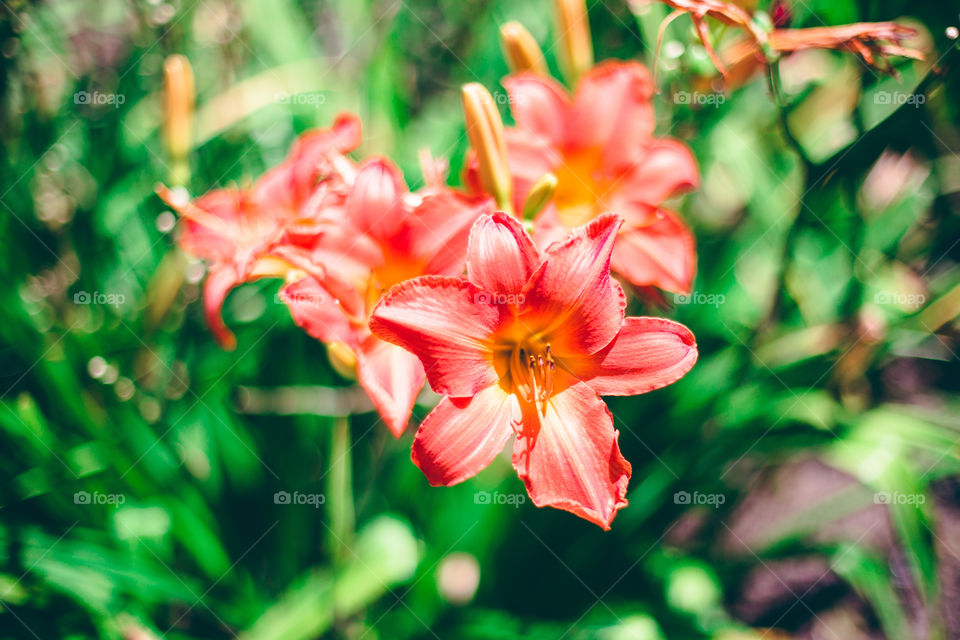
(485, 130)
(539, 196)
(575, 46)
(521, 49)
(179, 97)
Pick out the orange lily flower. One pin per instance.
(524, 347)
(239, 230)
(400, 236)
(599, 144)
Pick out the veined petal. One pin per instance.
(375, 204)
(316, 310)
(539, 105)
(612, 110)
(571, 298)
(571, 460)
(647, 354)
(661, 254)
(448, 324)
(461, 436)
(392, 377)
(501, 256)
(664, 169)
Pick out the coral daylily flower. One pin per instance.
(599, 144)
(400, 236)
(523, 348)
(238, 231)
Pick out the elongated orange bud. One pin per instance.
(485, 130)
(179, 97)
(575, 45)
(521, 49)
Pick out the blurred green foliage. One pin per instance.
(802, 476)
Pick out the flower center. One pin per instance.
(580, 185)
(531, 368)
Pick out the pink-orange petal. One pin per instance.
(571, 460)
(461, 436)
(311, 152)
(539, 105)
(316, 310)
(448, 323)
(647, 354)
(662, 254)
(571, 297)
(392, 378)
(501, 256)
(375, 204)
(665, 168)
(612, 111)
(438, 230)
(220, 280)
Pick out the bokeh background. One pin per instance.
(800, 482)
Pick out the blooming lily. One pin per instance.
(239, 230)
(399, 236)
(599, 144)
(524, 347)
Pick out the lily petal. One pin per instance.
(392, 377)
(571, 295)
(447, 323)
(439, 229)
(612, 110)
(662, 254)
(539, 105)
(316, 310)
(461, 436)
(647, 354)
(666, 168)
(501, 256)
(310, 154)
(220, 280)
(375, 204)
(571, 460)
